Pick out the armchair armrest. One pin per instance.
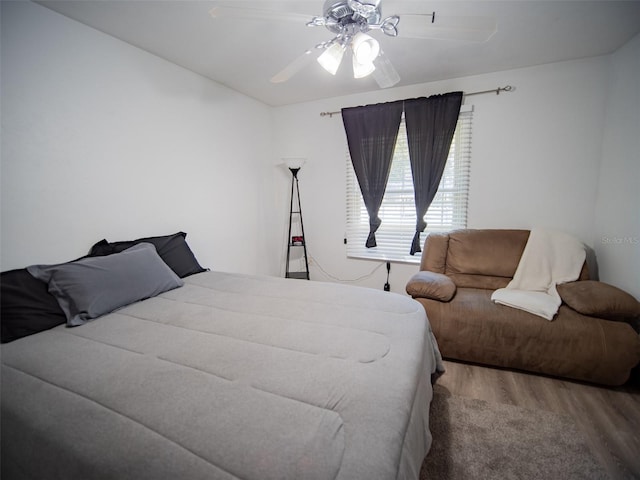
(436, 286)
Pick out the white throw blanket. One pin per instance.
(549, 258)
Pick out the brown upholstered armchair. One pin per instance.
(590, 338)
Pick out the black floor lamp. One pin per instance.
(296, 238)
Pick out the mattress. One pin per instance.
(228, 377)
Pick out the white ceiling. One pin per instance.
(245, 54)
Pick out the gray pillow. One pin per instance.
(94, 286)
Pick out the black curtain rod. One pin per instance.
(497, 91)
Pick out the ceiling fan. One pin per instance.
(350, 21)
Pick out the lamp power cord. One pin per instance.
(350, 280)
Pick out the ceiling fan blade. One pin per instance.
(440, 27)
(294, 67)
(226, 11)
(385, 74)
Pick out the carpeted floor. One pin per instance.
(477, 440)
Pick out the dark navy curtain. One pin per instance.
(372, 131)
(431, 123)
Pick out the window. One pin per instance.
(447, 211)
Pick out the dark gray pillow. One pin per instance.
(94, 286)
(26, 307)
(173, 249)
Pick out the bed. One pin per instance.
(226, 376)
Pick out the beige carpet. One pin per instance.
(473, 439)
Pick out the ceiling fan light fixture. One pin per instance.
(351, 21)
(332, 57)
(361, 70)
(365, 48)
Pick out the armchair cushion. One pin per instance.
(598, 299)
(436, 286)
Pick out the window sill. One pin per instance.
(382, 257)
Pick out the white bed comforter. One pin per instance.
(228, 377)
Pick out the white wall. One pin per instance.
(535, 159)
(617, 219)
(101, 139)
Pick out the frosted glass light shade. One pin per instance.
(361, 70)
(365, 48)
(331, 58)
(385, 74)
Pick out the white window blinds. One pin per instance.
(398, 214)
